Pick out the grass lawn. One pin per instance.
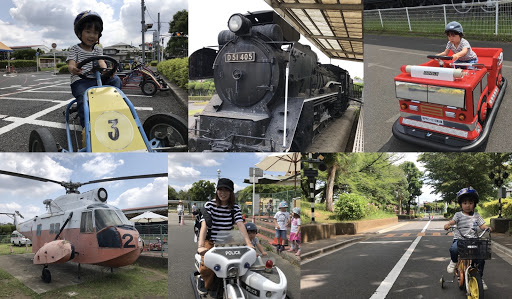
(4, 249)
(137, 282)
(194, 111)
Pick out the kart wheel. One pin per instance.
(475, 286)
(482, 113)
(169, 130)
(46, 276)
(41, 140)
(148, 88)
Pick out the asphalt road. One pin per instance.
(384, 57)
(362, 268)
(32, 100)
(181, 262)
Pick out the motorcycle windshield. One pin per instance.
(230, 237)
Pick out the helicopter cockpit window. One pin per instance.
(123, 218)
(86, 222)
(104, 218)
(38, 232)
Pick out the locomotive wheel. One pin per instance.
(41, 140)
(148, 88)
(170, 130)
(482, 113)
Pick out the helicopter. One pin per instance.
(82, 228)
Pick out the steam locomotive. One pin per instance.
(272, 94)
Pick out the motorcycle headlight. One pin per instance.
(233, 272)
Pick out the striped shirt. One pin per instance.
(465, 225)
(222, 218)
(78, 54)
(463, 44)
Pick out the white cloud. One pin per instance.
(154, 193)
(102, 165)
(197, 159)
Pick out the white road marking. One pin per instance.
(386, 242)
(404, 52)
(388, 282)
(22, 121)
(392, 228)
(327, 253)
(12, 86)
(43, 123)
(30, 99)
(48, 91)
(369, 64)
(3, 116)
(44, 79)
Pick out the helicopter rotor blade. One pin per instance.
(30, 177)
(144, 176)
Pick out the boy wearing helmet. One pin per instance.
(88, 27)
(281, 221)
(460, 47)
(252, 231)
(466, 221)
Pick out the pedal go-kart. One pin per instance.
(144, 78)
(446, 108)
(111, 123)
(239, 272)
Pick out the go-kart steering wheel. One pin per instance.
(442, 57)
(91, 74)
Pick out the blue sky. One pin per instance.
(27, 196)
(187, 168)
(35, 22)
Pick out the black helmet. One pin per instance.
(82, 17)
(249, 226)
(467, 193)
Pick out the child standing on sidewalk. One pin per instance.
(295, 231)
(281, 221)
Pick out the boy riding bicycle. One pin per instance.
(467, 221)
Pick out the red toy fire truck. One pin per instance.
(449, 106)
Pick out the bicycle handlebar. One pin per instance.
(452, 228)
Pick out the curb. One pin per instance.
(502, 248)
(309, 255)
(172, 88)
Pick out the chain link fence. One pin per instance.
(491, 19)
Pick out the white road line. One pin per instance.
(392, 228)
(12, 86)
(3, 116)
(327, 253)
(138, 95)
(32, 117)
(29, 99)
(382, 66)
(48, 91)
(43, 123)
(385, 242)
(404, 52)
(388, 282)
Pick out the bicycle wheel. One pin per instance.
(475, 287)
(460, 275)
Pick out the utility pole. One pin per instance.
(143, 23)
(157, 44)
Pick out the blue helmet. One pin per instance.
(283, 204)
(249, 226)
(467, 193)
(296, 210)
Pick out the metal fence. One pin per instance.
(482, 18)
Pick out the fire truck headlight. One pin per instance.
(413, 107)
(450, 114)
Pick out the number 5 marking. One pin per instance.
(113, 135)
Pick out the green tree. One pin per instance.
(178, 44)
(171, 193)
(447, 173)
(414, 182)
(202, 190)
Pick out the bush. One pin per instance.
(154, 63)
(351, 207)
(18, 63)
(60, 64)
(450, 211)
(371, 209)
(507, 210)
(492, 208)
(175, 70)
(63, 69)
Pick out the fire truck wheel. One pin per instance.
(482, 113)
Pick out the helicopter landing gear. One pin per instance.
(46, 276)
(78, 271)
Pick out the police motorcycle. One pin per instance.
(240, 272)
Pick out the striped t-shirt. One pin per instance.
(463, 44)
(222, 218)
(78, 54)
(465, 225)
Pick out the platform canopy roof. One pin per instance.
(4, 48)
(333, 26)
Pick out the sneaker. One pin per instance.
(298, 253)
(201, 289)
(484, 285)
(290, 250)
(451, 267)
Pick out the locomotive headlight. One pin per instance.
(239, 25)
